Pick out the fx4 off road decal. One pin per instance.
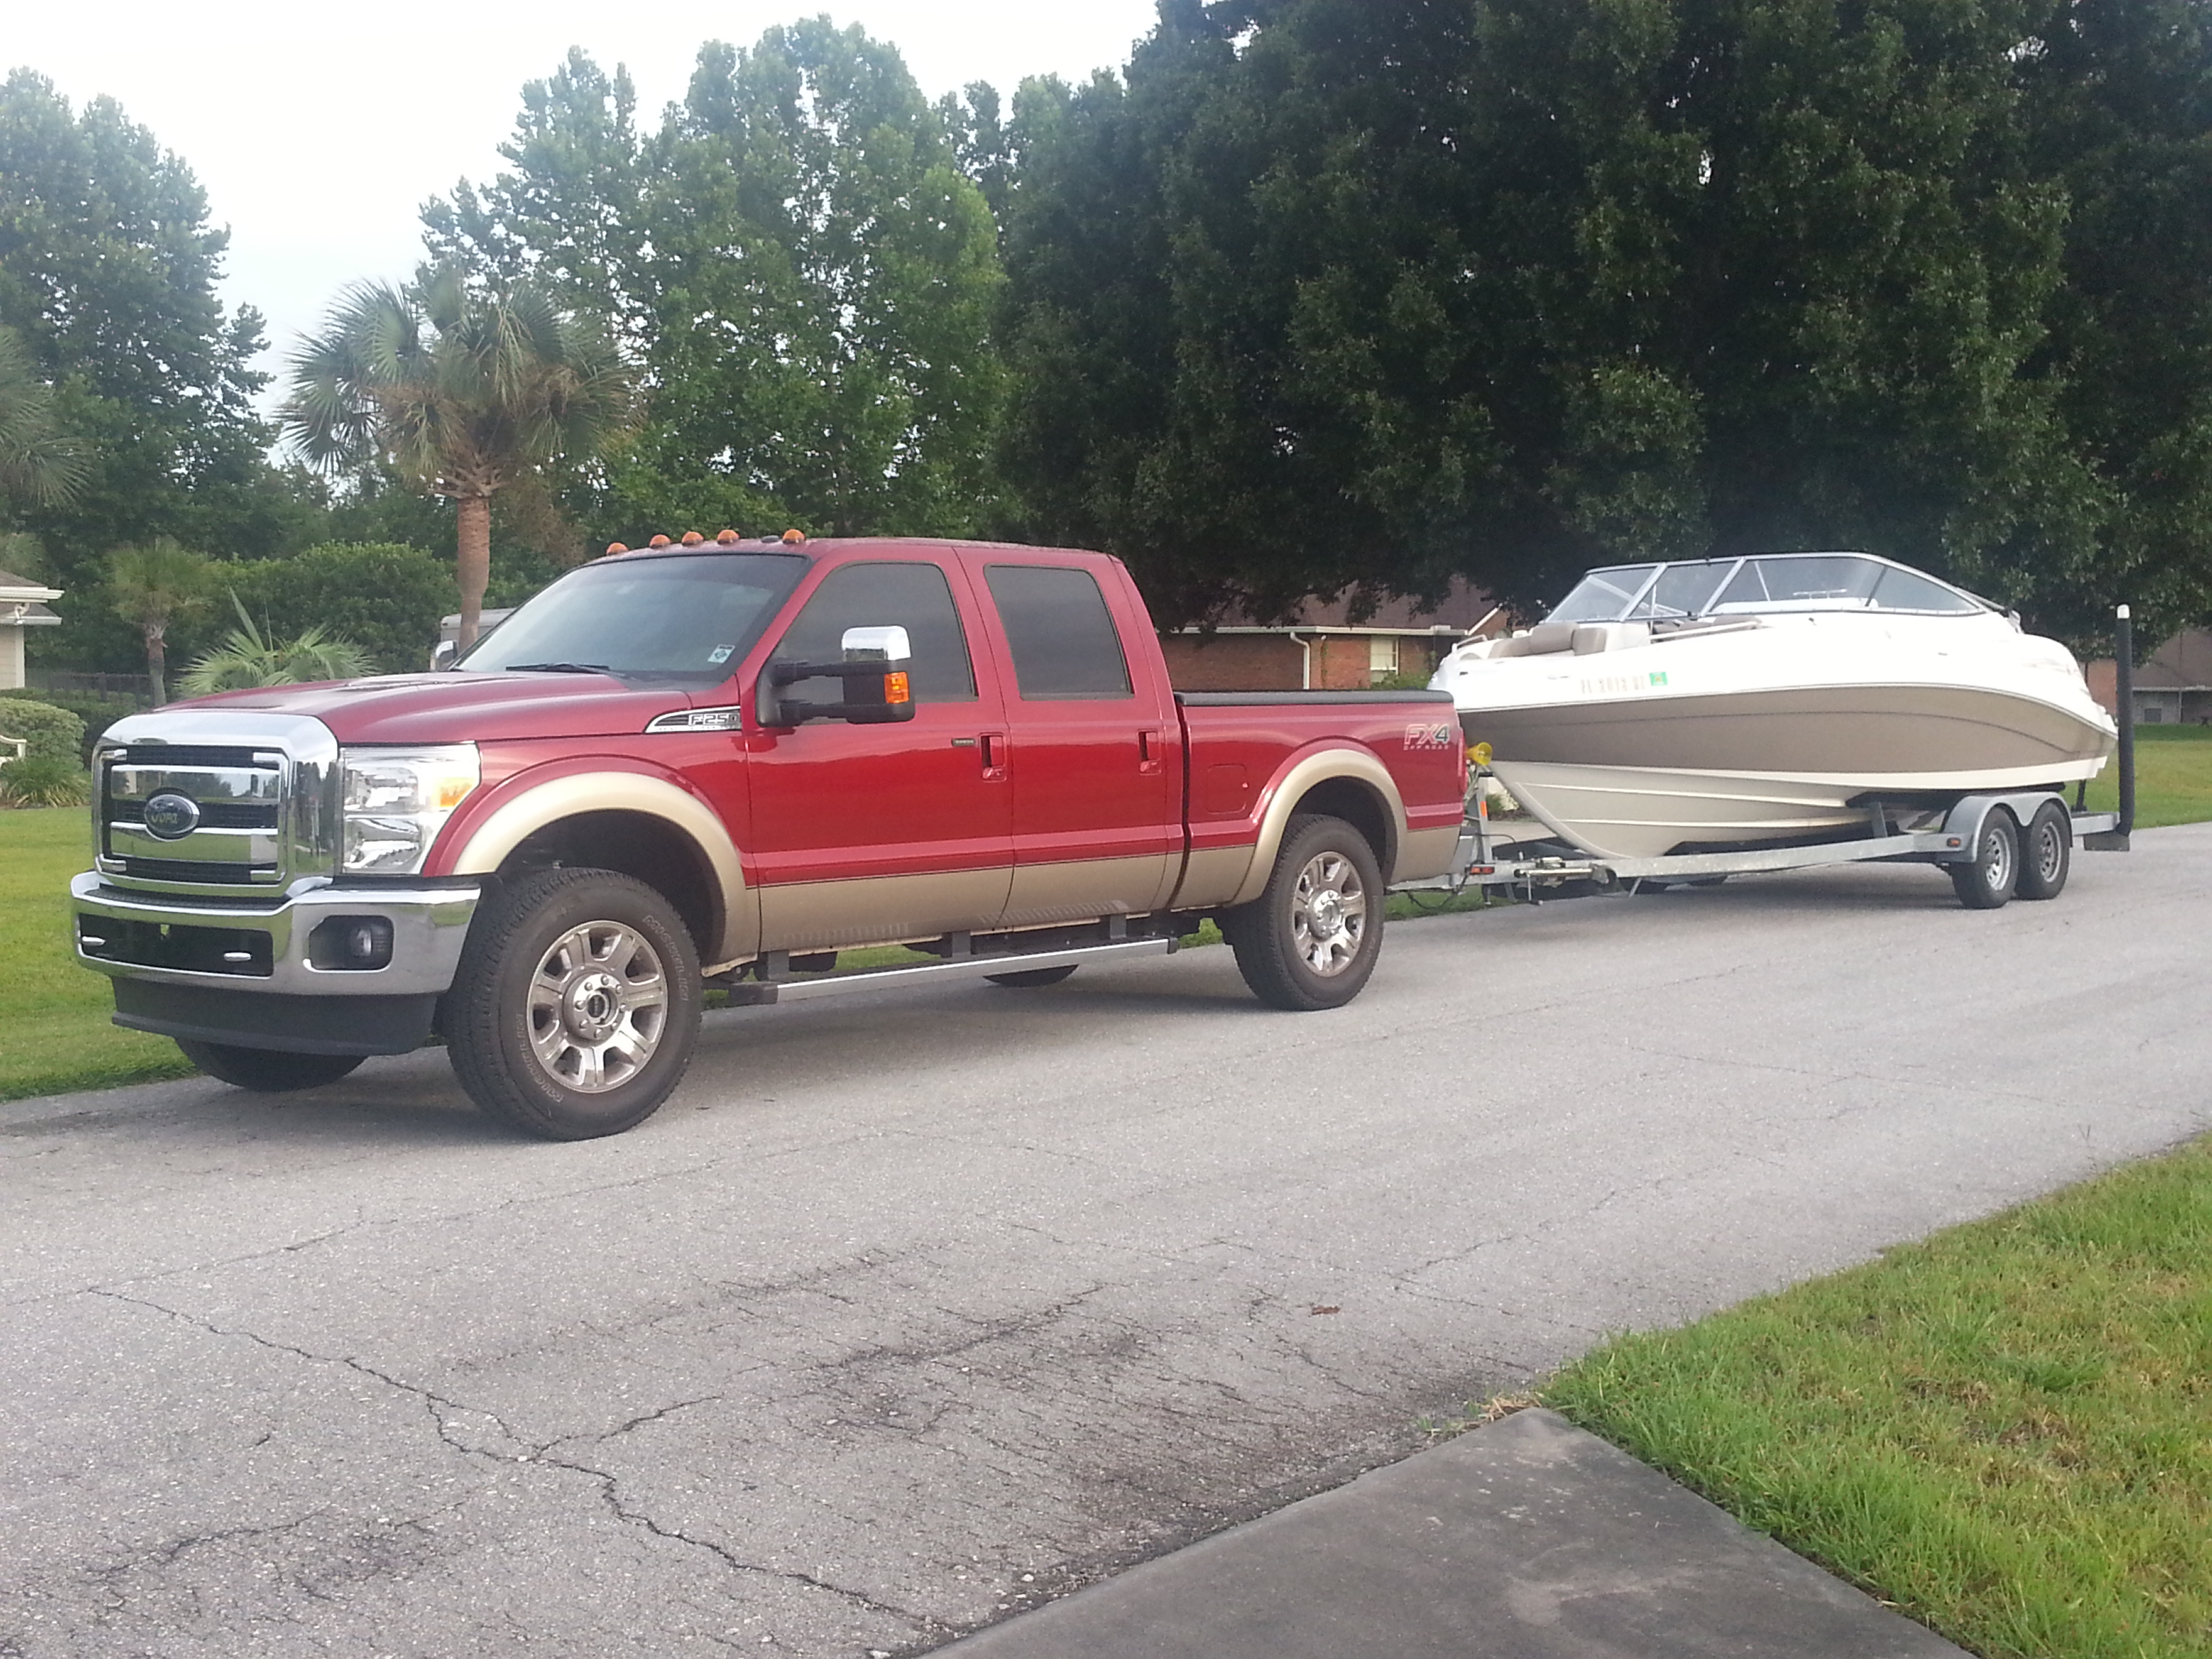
(1421, 736)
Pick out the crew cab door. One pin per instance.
(1096, 751)
(862, 833)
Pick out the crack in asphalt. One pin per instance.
(539, 1455)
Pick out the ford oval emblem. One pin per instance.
(171, 815)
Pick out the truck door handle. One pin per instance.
(993, 745)
(1149, 747)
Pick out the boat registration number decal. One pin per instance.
(1421, 736)
(1620, 685)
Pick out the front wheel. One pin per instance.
(266, 1070)
(1988, 880)
(576, 1006)
(1311, 940)
(2047, 852)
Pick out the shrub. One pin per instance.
(98, 710)
(250, 658)
(53, 734)
(44, 782)
(385, 597)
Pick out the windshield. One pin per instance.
(1603, 595)
(686, 620)
(1770, 582)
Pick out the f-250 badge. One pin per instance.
(1419, 736)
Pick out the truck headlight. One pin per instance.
(397, 800)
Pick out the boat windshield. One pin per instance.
(1771, 582)
(685, 620)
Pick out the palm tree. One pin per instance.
(248, 658)
(463, 392)
(152, 586)
(37, 463)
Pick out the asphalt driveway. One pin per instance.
(915, 1309)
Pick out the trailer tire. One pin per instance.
(1988, 880)
(576, 1006)
(1311, 939)
(2047, 852)
(1030, 978)
(266, 1070)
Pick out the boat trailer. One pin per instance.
(1997, 846)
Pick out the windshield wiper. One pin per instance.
(557, 668)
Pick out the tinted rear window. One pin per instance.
(1062, 635)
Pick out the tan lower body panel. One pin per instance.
(1425, 852)
(875, 909)
(1212, 875)
(1078, 891)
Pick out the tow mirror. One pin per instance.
(877, 673)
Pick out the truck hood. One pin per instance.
(453, 708)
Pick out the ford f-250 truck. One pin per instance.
(717, 765)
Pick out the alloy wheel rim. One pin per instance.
(599, 1007)
(1328, 914)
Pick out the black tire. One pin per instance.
(1988, 880)
(1311, 939)
(1029, 979)
(266, 1070)
(575, 1008)
(2047, 852)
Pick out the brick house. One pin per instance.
(1322, 650)
(2174, 687)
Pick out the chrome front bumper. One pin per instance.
(429, 926)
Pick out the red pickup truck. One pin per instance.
(716, 766)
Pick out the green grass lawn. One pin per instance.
(54, 1031)
(2005, 1431)
(2173, 777)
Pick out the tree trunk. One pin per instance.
(157, 659)
(472, 518)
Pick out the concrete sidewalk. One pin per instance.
(1527, 1539)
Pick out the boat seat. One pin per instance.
(1538, 642)
(1590, 638)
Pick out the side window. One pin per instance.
(915, 596)
(1063, 637)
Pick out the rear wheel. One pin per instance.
(1989, 879)
(1311, 940)
(267, 1071)
(1031, 978)
(2047, 852)
(576, 1006)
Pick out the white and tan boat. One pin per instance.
(1719, 703)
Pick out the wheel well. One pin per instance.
(638, 845)
(1359, 805)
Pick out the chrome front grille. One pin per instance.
(194, 814)
(230, 803)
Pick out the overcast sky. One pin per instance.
(318, 130)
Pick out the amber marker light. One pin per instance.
(727, 539)
(692, 538)
(898, 688)
(794, 537)
(617, 547)
(658, 541)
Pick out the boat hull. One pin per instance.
(1641, 777)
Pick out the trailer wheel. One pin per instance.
(1031, 978)
(2047, 852)
(1311, 940)
(576, 1006)
(1989, 879)
(266, 1070)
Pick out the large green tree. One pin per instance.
(807, 272)
(39, 464)
(108, 270)
(463, 392)
(1357, 293)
